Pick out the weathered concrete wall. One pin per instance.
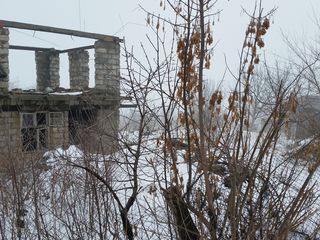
(47, 66)
(305, 122)
(11, 138)
(54, 68)
(79, 69)
(107, 78)
(42, 67)
(10, 141)
(101, 135)
(59, 134)
(108, 124)
(107, 66)
(4, 59)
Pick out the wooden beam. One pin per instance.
(41, 28)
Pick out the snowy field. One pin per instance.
(63, 201)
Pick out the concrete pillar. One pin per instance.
(107, 66)
(4, 60)
(79, 69)
(42, 67)
(54, 68)
(48, 65)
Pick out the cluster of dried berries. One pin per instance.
(256, 29)
(216, 99)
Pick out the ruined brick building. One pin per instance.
(50, 116)
(305, 122)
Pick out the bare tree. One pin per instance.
(202, 174)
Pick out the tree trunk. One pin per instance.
(187, 230)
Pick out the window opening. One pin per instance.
(43, 136)
(41, 119)
(27, 120)
(34, 132)
(29, 139)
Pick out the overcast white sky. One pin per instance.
(294, 18)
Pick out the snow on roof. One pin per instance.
(66, 93)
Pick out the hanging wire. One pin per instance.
(34, 36)
(79, 12)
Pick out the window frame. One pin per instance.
(22, 120)
(38, 128)
(46, 119)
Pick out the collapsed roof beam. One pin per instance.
(26, 48)
(34, 27)
(75, 49)
(15, 47)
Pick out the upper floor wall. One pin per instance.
(106, 57)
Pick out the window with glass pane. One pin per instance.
(27, 120)
(34, 132)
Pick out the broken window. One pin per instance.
(56, 119)
(43, 136)
(29, 139)
(27, 120)
(41, 119)
(34, 132)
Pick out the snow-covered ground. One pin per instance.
(65, 202)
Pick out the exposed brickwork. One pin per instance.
(107, 124)
(59, 134)
(4, 59)
(98, 134)
(107, 66)
(9, 131)
(79, 69)
(304, 123)
(47, 64)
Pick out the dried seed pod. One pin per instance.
(254, 50)
(253, 30)
(260, 43)
(262, 31)
(266, 23)
(256, 60)
(250, 69)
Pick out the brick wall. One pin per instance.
(107, 124)
(9, 132)
(59, 133)
(79, 69)
(47, 66)
(4, 59)
(107, 66)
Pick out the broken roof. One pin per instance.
(76, 33)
